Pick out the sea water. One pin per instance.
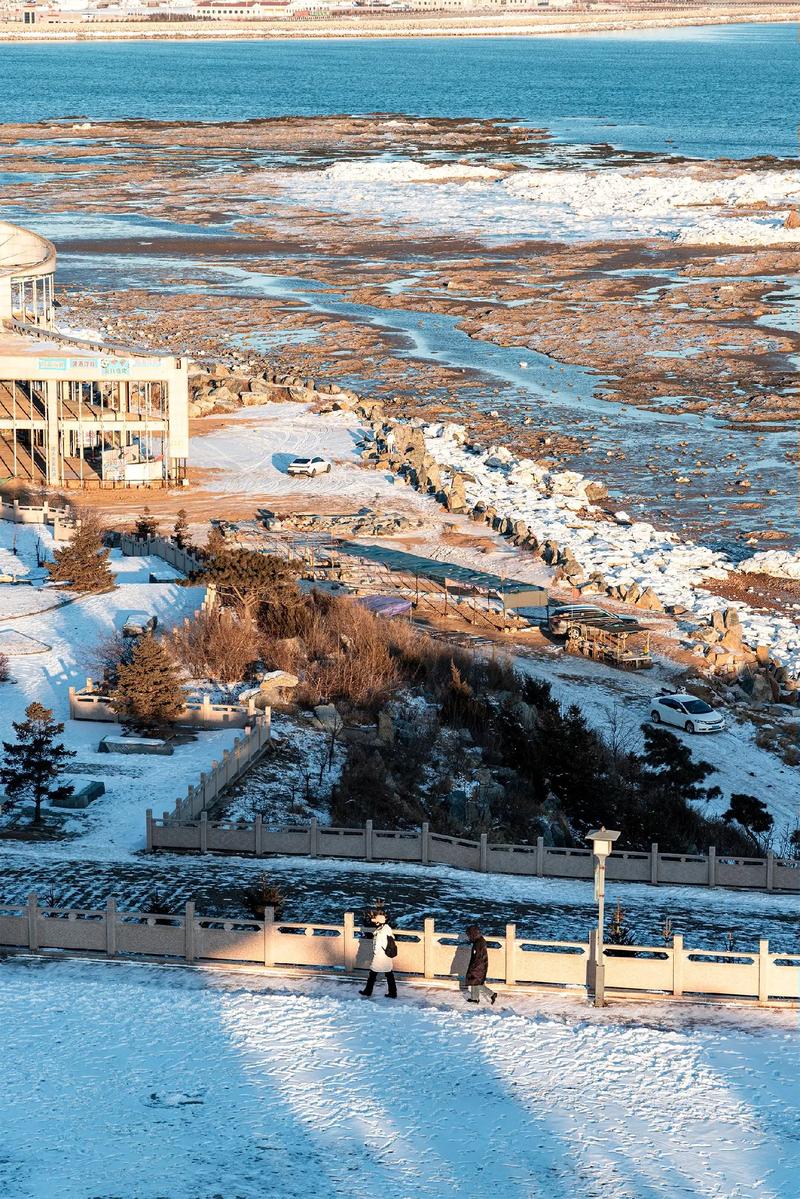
(707, 92)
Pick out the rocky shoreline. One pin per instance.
(565, 519)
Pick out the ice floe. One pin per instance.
(556, 507)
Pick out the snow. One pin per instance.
(65, 639)
(246, 1086)
(740, 765)
(250, 455)
(623, 553)
(688, 204)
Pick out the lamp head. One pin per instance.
(602, 840)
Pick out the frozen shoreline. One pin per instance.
(418, 25)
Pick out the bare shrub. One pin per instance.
(263, 894)
(218, 644)
(102, 661)
(5, 673)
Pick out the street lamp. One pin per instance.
(602, 845)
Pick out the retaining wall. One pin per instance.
(421, 845)
(669, 971)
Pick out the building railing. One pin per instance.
(671, 971)
(235, 761)
(204, 835)
(91, 703)
(159, 547)
(33, 514)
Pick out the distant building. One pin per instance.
(75, 412)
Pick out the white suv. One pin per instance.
(686, 712)
(309, 466)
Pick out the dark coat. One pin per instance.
(478, 959)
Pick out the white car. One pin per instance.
(687, 712)
(309, 466)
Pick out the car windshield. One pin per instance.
(697, 707)
(301, 461)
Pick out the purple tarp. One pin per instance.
(385, 605)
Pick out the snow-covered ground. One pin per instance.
(251, 454)
(68, 635)
(623, 551)
(686, 204)
(617, 704)
(249, 1087)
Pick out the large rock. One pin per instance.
(455, 496)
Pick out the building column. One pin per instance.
(53, 460)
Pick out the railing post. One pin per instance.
(149, 832)
(591, 961)
(654, 863)
(712, 866)
(539, 857)
(368, 841)
(425, 844)
(428, 947)
(763, 973)
(269, 936)
(204, 831)
(165, 815)
(484, 853)
(111, 927)
(511, 954)
(349, 939)
(677, 965)
(770, 871)
(33, 915)
(189, 931)
(313, 838)
(258, 836)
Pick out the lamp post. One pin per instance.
(602, 845)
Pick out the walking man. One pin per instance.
(384, 950)
(478, 967)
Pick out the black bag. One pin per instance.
(391, 947)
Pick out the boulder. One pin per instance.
(455, 498)
(649, 601)
(328, 718)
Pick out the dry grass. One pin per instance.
(218, 644)
(345, 654)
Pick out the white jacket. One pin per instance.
(380, 961)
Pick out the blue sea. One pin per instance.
(706, 92)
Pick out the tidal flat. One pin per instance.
(572, 300)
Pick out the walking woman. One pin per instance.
(384, 950)
(478, 967)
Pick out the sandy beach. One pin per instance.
(360, 24)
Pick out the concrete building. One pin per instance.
(74, 412)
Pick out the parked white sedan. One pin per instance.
(687, 712)
(309, 466)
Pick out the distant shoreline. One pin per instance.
(388, 25)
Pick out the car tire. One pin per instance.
(328, 469)
(689, 726)
(655, 717)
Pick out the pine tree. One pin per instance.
(257, 585)
(83, 563)
(619, 932)
(148, 696)
(34, 763)
(146, 525)
(180, 533)
(751, 813)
